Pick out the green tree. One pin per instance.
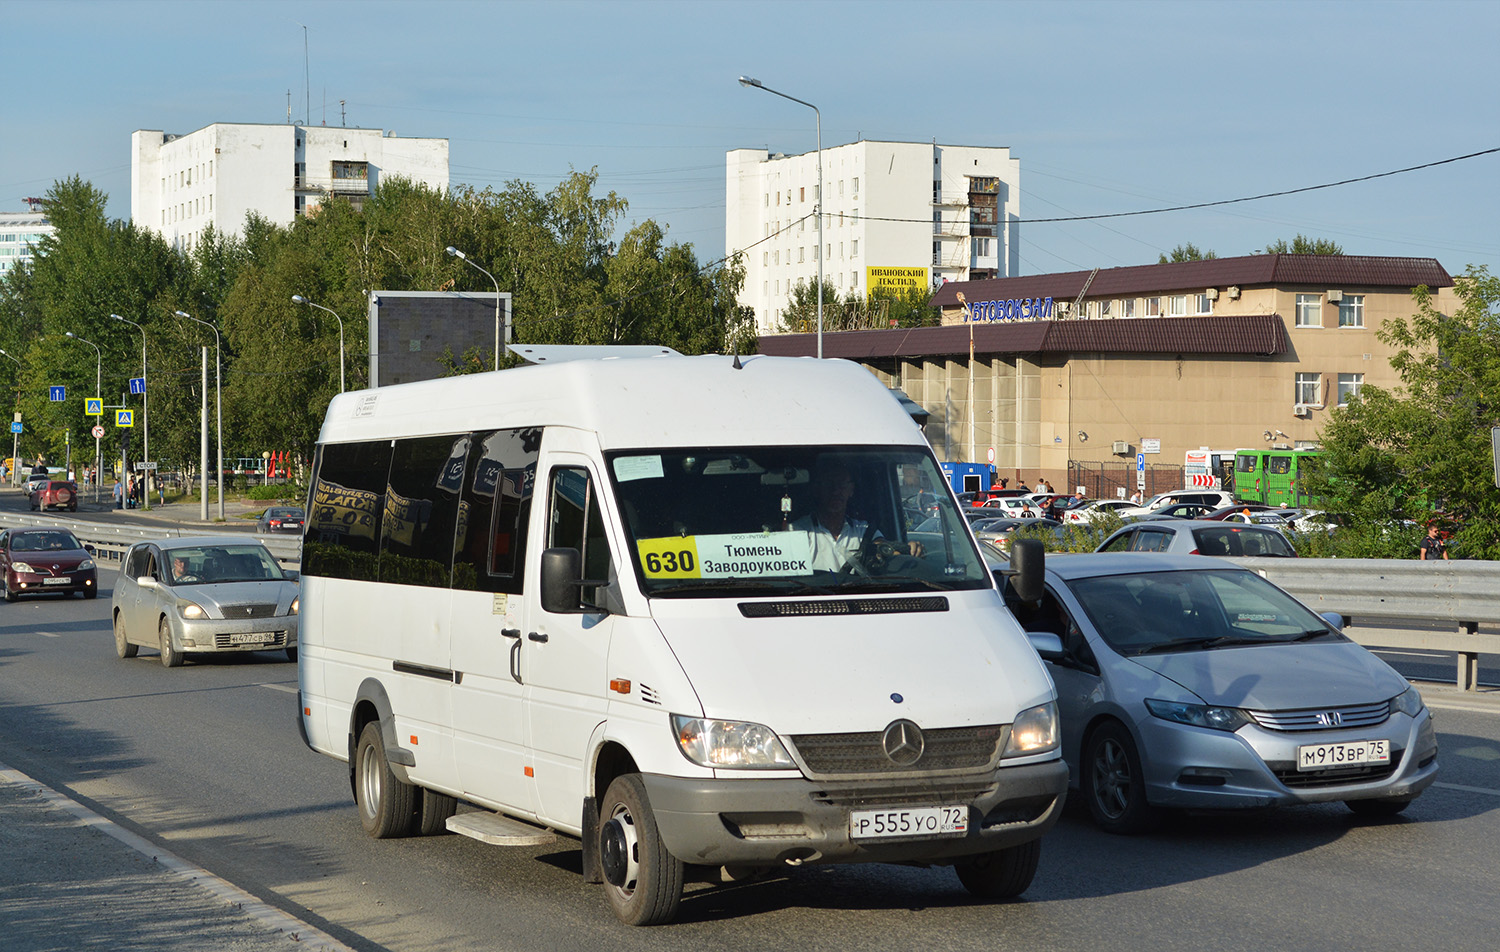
(1301, 245)
(1187, 252)
(885, 307)
(1392, 457)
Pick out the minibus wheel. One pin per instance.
(387, 807)
(1002, 874)
(435, 810)
(642, 880)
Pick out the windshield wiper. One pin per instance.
(1197, 644)
(1312, 634)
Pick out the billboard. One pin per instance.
(897, 279)
(411, 330)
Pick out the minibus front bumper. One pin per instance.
(768, 821)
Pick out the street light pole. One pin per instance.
(98, 395)
(299, 299)
(748, 81)
(454, 252)
(15, 438)
(218, 409)
(145, 422)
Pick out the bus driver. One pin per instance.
(834, 536)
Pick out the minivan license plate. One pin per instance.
(1356, 754)
(919, 821)
(57, 580)
(249, 638)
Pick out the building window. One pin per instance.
(1349, 385)
(982, 247)
(1177, 305)
(1105, 309)
(776, 257)
(853, 279)
(1205, 304)
(937, 191)
(765, 259)
(1127, 307)
(1153, 307)
(841, 250)
(854, 248)
(1307, 390)
(767, 202)
(1352, 311)
(1309, 310)
(855, 189)
(802, 194)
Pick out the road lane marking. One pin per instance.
(298, 933)
(1467, 789)
(49, 634)
(278, 687)
(1444, 704)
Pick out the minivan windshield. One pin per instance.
(779, 520)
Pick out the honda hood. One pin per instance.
(1281, 677)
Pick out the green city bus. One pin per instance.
(1273, 476)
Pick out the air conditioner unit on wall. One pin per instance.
(1121, 447)
(1335, 297)
(1212, 293)
(1301, 409)
(1234, 293)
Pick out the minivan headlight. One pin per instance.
(733, 744)
(192, 610)
(1199, 715)
(23, 567)
(1408, 702)
(1034, 731)
(85, 565)
(296, 606)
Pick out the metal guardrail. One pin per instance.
(111, 541)
(1463, 594)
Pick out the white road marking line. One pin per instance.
(1467, 789)
(302, 934)
(1443, 704)
(49, 634)
(278, 687)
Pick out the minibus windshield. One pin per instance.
(779, 520)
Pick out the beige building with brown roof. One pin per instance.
(1076, 373)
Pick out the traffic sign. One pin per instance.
(148, 464)
(93, 406)
(124, 418)
(15, 426)
(1140, 462)
(57, 394)
(98, 432)
(137, 384)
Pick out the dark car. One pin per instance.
(281, 519)
(37, 561)
(55, 494)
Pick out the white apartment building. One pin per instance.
(179, 185)
(20, 233)
(913, 212)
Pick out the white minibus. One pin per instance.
(674, 607)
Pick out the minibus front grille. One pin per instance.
(943, 749)
(906, 794)
(845, 606)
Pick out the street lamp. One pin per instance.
(15, 438)
(219, 415)
(455, 253)
(145, 423)
(748, 81)
(299, 299)
(98, 395)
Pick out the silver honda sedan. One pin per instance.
(1188, 682)
(210, 594)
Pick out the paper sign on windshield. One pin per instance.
(739, 555)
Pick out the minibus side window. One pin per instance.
(574, 521)
(421, 507)
(489, 547)
(342, 534)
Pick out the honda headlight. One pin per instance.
(1408, 702)
(23, 567)
(1034, 731)
(192, 610)
(736, 744)
(1199, 715)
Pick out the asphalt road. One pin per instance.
(206, 761)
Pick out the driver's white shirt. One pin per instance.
(831, 552)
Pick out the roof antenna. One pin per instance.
(737, 365)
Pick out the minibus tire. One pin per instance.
(387, 807)
(435, 809)
(653, 877)
(1002, 874)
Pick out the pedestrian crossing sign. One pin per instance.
(124, 418)
(93, 406)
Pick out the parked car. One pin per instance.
(1000, 531)
(1089, 508)
(204, 594)
(1239, 508)
(281, 519)
(1178, 510)
(55, 494)
(1198, 537)
(1014, 506)
(1211, 498)
(38, 561)
(1192, 683)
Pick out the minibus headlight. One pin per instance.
(730, 744)
(1034, 731)
(192, 610)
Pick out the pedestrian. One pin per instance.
(1135, 498)
(137, 492)
(1433, 547)
(1041, 485)
(119, 494)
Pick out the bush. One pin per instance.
(277, 491)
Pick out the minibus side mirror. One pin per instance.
(1026, 569)
(561, 571)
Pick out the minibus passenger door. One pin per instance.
(564, 657)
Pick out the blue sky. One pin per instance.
(1110, 107)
